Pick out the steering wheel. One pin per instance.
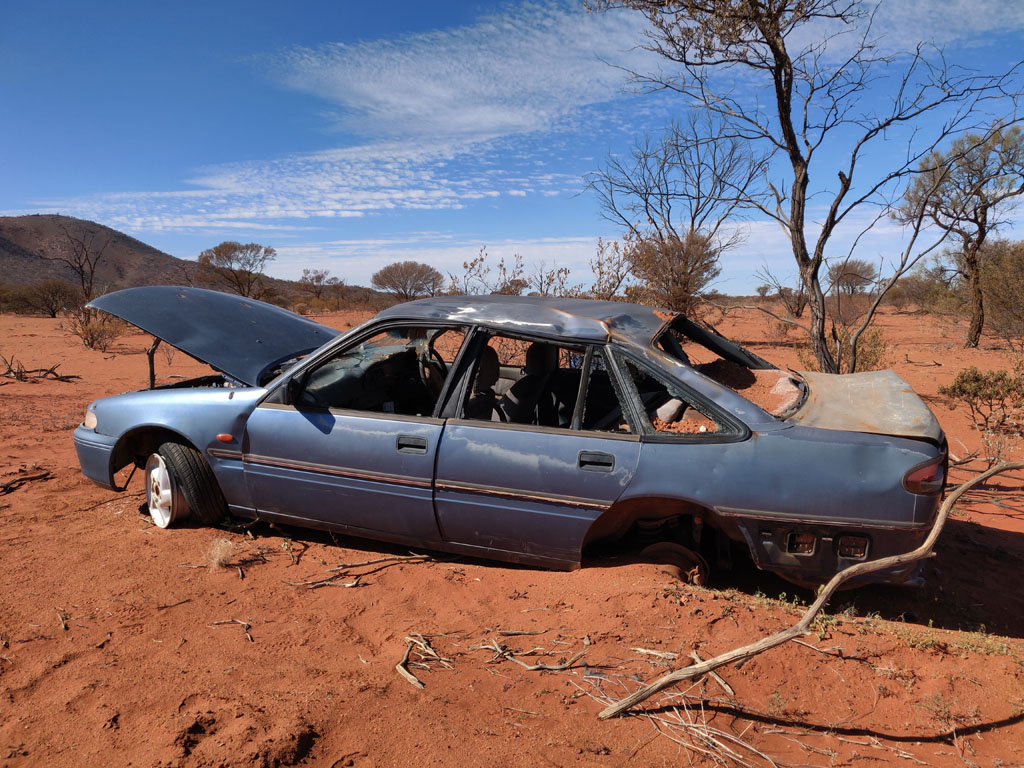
(432, 369)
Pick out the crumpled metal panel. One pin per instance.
(234, 335)
(877, 402)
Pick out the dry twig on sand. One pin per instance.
(389, 559)
(342, 571)
(402, 667)
(501, 652)
(682, 719)
(802, 627)
(12, 485)
(244, 624)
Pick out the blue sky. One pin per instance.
(350, 135)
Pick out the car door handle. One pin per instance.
(596, 461)
(410, 444)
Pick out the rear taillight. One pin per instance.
(927, 478)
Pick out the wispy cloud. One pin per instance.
(904, 23)
(449, 113)
(515, 72)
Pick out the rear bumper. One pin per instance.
(768, 546)
(94, 454)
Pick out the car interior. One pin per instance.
(400, 370)
(538, 383)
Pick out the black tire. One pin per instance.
(196, 482)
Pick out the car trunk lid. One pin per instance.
(241, 337)
(875, 401)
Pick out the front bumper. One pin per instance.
(95, 453)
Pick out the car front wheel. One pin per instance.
(179, 485)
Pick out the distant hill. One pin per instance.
(126, 261)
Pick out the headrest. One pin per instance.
(487, 370)
(541, 359)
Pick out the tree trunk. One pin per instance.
(977, 305)
(816, 304)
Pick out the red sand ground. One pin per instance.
(110, 654)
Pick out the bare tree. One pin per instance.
(237, 268)
(408, 280)
(552, 281)
(316, 281)
(610, 268)
(965, 192)
(794, 300)
(692, 180)
(478, 276)
(817, 124)
(82, 255)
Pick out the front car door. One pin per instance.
(525, 477)
(351, 442)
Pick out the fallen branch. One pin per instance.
(714, 675)
(802, 627)
(12, 485)
(402, 667)
(17, 371)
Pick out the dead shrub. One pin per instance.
(96, 330)
(220, 552)
(779, 331)
(872, 351)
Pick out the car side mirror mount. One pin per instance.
(292, 389)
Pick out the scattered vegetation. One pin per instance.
(995, 400)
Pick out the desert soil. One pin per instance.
(114, 648)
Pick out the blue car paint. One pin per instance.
(520, 493)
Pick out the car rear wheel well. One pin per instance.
(661, 530)
(650, 513)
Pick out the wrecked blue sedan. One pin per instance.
(526, 429)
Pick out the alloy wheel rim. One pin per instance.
(159, 491)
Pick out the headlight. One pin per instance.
(90, 421)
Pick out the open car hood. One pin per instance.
(876, 401)
(240, 337)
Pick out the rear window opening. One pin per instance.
(777, 392)
(665, 408)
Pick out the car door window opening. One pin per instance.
(400, 370)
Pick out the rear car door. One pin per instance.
(526, 480)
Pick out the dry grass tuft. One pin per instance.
(219, 553)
